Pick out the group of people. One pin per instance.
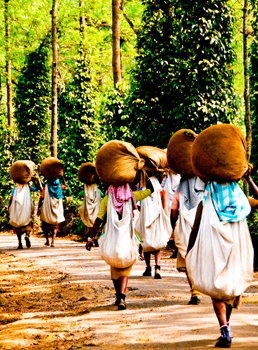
(170, 206)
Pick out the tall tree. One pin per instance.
(82, 17)
(54, 80)
(116, 58)
(8, 64)
(184, 76)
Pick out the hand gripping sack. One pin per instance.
(51, 168)
(118, 243)
(153, 225)
(22, 170)
(179, 152)
(118, 162)
(219, 154)
(90, 205)
(220, 264)
(155, 159)
(87, 173)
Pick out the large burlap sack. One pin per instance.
(219, 154)
(179, 152)
(87, 173)
(118, 162)
(155, 159)
(51, 168)
(22, 170)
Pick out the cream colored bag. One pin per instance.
(170, 187)
(90, 205)
(220, 264)
(118, 244)
(21, 207)
(52, 211)
(184, 226)
(153, 225)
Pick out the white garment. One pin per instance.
(90, 205)
(153, 225)
(170, 187)
(22, 207)
(118, 244)
(220, 264)
(52, 211)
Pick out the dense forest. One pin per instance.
(75, 74)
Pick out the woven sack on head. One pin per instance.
(118, 162)
(155, 159)
(51, 168)
(219, 154)
(179, 152)
(87, 173)
(22, 170)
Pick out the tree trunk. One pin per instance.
(246, 90)
(8, 66)
(82, 17)
(116, 62)
(54, 82)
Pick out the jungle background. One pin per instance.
(75, 74)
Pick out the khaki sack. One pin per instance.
(22, 170)
(51, 168)
(219, 154)
(179, 152)
(118, 162)
(155, 159)
(87, 173)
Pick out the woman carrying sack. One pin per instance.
(117, 206)
(50, 207)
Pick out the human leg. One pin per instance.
(54, 233)
(19, 236)
(195, 295)
(123, 280)
(147, 257)
(27, 239)
(157, 265)
(220, 309)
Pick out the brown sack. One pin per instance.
(22, 170)
(155, 158)
(87, 173)
(219, 154)
(179, 152)
(51, 168)
(118, 162)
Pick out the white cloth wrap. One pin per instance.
(90, 205)
(52, 211)
(22, 207)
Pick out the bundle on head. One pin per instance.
(219, 154)
(179, 152)
(87, 173)
(155, 159)
(22, 170)
(51, 168)
(118, 162)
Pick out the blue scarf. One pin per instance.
(54, 189)
(228, 200)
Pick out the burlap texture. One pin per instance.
(87, 173)
(219, 154)
(22, 170)
(179, 152)
(51, 168)
(118, 162)
(155, 159)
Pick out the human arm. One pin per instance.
(247, 177)
(93, 233)
(41, 201)
(174, 209)
(195, 228)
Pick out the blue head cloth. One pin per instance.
(54, 189)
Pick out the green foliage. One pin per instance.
(183, 77)
(7, 142)
(32, 107)
(79, 131)
(254, 90)
(253, 228)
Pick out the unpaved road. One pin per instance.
(61, 298)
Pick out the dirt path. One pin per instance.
(61, 298)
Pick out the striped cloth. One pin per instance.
(229, 201)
